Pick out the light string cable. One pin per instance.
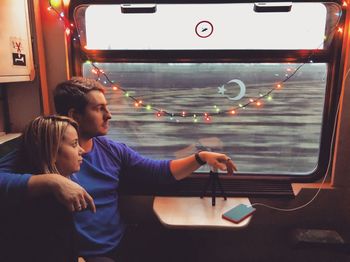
(160, 112)
(324, 178)
(139, 103)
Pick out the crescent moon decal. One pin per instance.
(241, 92)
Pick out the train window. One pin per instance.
(257, 82)
(281, 135)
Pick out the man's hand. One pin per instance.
(67, 192)
(183, 167)
(218, 161)
(72, 195)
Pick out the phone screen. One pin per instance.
(238, 213)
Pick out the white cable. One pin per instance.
(325, 176)
(323, 180)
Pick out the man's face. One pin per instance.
(94, 121)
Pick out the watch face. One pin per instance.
(204, 29)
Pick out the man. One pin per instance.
(105, 162)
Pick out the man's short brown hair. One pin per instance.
(72, 94)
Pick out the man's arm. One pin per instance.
(65, 190)
(13, 186)
(16, 187)
(183, 167)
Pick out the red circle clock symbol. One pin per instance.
(204, 29)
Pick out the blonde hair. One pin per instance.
(40, 143)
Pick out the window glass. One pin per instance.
(188, 106)
(270, 116)
(206, 26)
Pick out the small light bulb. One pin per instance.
(55, 3)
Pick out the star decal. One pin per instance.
(222, 90)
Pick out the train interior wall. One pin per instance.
(309, 234)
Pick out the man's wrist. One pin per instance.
(199, 160)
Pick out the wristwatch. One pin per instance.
(198, 159)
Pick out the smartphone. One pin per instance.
(238, 213)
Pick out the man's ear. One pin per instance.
(72, 113)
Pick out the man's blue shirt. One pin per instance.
(13, 187)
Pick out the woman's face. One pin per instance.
(69, 156)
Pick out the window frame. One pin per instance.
(332, 56)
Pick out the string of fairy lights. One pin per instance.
(72, 31)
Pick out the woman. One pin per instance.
(43, 228)
(50, 145)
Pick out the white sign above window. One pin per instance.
(205, 26)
